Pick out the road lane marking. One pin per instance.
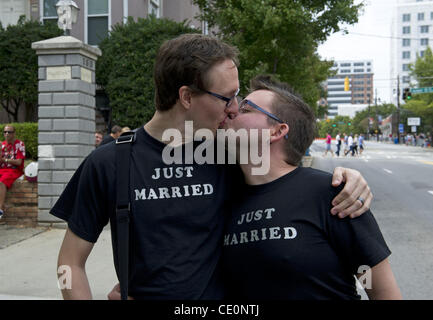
(389, 171)
(426, 162)
(431, 192)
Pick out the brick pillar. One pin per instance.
(66, 113)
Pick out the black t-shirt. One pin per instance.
(282, 243)
(176, 224)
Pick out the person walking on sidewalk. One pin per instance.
(361, 143)
(338, 143)
(328, 142)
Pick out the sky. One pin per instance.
(375, 20)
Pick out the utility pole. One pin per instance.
(398, 108)
(377, 120)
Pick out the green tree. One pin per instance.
(125, 69)
(19, 66)
(333, 126)
(421, 105)
(280, 37)
(360, 120)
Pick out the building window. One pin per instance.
(49, 11)
(406, 30)
(406, 17)
(424, 41)
(406, 54)
(406, 42)
(421, 16)
(405, 67)
(154, 8)
(431, 15)
(424, 29)
(358, 70)
(421, 53)
(345, 65)
(98, 20)
(406, 79)
(345, 71)
(358, 64)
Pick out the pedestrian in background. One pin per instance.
(99, 135)
(13, 153)
(338, 143)
(115, 133)
(346, 146)
(328, 142)
(361, 143)
(125, 129)
(355, 145)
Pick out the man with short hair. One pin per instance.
(12, 158)
(116, 131)
(177, 211)
(301, 252)
(99, 135)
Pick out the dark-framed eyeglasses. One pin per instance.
(9, 132)
(228, 101)
(244, 102)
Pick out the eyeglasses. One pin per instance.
(10, 132)
(244, 102)
(228, 101)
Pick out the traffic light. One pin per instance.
(407, 95)
(349, 124)
(346, 84)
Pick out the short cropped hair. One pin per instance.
(116, 129)
(185, 61)
(291, 109)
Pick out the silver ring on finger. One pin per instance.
(361, 199)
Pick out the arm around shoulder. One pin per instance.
(71, 267)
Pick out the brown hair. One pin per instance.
(185, 61)
(291, 109)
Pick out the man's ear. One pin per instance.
(280, 131)
(185, 96)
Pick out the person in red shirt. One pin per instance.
(328, 145)
(12, 158)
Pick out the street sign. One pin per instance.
(414, 121)
(422, 90)
(401, 128)
(413, 128)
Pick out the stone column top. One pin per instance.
(65, 45)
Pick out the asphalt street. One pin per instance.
(401, 179)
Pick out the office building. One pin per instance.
(360, 94)
(412, 30)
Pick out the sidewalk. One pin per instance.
(28, 262)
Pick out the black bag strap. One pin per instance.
(123, 207)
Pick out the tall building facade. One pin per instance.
(360, 94)
(97, 17)
(412, 31)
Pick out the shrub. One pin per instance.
(28, 133)
(125, 69)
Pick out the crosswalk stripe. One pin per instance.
(389, 171)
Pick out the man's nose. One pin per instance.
(233, 110)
